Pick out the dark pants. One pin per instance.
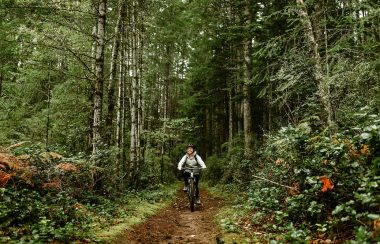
(186, 176)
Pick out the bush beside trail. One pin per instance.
(310, 185)
(47, 197)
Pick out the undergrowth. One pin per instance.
(46, 197)
(308, 185)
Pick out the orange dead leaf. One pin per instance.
(67, 167)
(376, 224)
(78, 206)
(356, 152)
(327, 183)
(9, 161)
(49, 156)
(280, 161)
(54, 184)
(24, 158)
(27, 175)
(335, 140)
(4, 178)
(55, 156)
(364, 149)
(295, 190)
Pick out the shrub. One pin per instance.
(334, 180)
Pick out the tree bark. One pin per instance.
(230, 119)
(113, 78)
(322, 82)
(99, 75)
(247, 111)
(141, 86)
(165, 105)
(135, 96)
(119, 135)
(91, 90)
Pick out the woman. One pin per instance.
(191, 162)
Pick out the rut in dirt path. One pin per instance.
(177, 224)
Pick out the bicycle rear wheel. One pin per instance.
(191, 193)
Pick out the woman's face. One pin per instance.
(190, 150)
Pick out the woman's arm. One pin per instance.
(200, 161)
(180, 164)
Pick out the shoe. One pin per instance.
(198, 200)
(184, 188)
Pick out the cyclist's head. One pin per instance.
(190, 148)
(191, 145)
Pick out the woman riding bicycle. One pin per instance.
(191, 162)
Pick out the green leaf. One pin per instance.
(374, 216)
(338, 209)
(365, 136)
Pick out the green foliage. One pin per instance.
(27, 215)
(229, 226)
(50, 198)
(215, 170)
(264, 199)
(334, 182)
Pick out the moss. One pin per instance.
(140, 210)
(143, 211)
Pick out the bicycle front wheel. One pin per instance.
(191, 193)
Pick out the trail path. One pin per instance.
(177, 224)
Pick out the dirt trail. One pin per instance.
(176, 224)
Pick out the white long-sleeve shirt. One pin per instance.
(191, 163)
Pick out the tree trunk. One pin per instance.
(270, 110)
(48, 107)
(91, 90)
(322, 83)
(99, 75)
(230, 119)
(128, 92)
(141, 86)
(119, 135)
(247, 111)
(94, 45)
(113, 78)
(134, 149)
(208, 126)
(164, 105)
(137, 87)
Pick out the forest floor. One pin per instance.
(177, 224)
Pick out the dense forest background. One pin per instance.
(101, 97)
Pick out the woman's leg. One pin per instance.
(196, 178)
(186, 176)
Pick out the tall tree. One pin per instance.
(99, 74)
(322, 82)
(136, 100)
(247, 110)
(113, 68)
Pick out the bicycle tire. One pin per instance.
(191, 195)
